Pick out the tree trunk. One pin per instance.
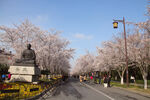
(121, 76)
(145, 81)
(122, 80)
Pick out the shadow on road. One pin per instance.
(68, 89)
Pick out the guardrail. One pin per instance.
(25, 90)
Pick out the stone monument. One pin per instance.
(25, 68)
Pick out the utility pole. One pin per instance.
(115, 25)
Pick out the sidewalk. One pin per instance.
(119, 93)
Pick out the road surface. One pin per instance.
(74, 90)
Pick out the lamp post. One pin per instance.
(115, 25)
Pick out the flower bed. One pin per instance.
(20, 90)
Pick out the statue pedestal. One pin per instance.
(24, 73)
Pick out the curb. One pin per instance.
(41, 94)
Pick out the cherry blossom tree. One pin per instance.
(84, 64)
(51, 49)
(112, 56)
(139, 45)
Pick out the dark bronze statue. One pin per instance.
(28, 57)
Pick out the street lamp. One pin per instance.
(115, 25)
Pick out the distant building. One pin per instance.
(5, 57)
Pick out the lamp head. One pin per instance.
(115, 24)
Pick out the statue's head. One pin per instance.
(29, 46)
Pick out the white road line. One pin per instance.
(99, 91)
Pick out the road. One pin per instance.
(74, 90)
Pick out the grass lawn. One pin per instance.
(131, 87)
(142, 81)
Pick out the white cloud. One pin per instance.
(83, 36)
(40, 19)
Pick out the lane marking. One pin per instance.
(98, 91)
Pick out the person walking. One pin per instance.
(105, 81)
(80, 78)
(132, 79)
(9, 76)
(84, 78)
(99, 79)
(91, 77)
(109, 79)
(94, 79)
(3, 77)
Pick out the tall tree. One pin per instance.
(51, 49)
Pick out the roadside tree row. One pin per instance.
(50, 48)
(112, 54)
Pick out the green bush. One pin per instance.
(4, 68)
(45, 72)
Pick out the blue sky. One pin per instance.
(86, 23)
